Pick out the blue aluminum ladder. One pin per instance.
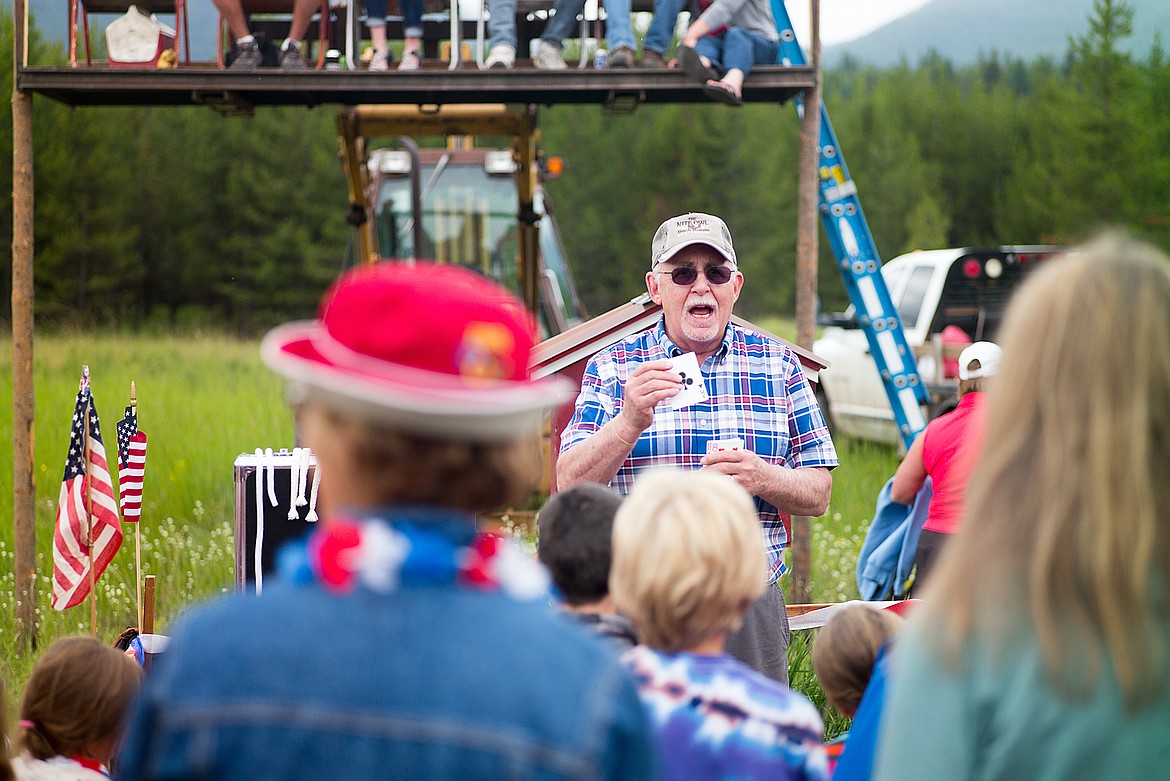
(858, 261)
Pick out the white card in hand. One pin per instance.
(693, 389)
(715, 445)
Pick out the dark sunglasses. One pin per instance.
(716, 275)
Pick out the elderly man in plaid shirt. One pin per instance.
(756, 393)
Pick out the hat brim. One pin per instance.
(413, 400)
(669, 253)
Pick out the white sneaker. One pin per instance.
(502, 55)
(548, 57)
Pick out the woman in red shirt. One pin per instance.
(946, 451)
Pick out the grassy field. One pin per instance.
(202, 401)
(205, 399)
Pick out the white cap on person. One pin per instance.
(987, 353)
(687, 229)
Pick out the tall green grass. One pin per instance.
(203, 400)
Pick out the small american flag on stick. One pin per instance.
(88, 532)
(131, 465)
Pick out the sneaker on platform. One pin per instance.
(248, 55)
(548, 57)
(502, 55)
(291, 56)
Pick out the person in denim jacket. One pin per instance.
(399, 643)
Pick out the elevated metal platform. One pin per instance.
(243, 90)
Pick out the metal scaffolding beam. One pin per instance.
(237, 91)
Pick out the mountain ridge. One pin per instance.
(964, 30)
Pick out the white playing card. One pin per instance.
(693, 389)
(724, 444)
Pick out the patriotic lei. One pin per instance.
(380, 556)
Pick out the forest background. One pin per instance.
(163, 218)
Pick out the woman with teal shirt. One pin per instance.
(1042, 649)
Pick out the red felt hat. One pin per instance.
(430, 349)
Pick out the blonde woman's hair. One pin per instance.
(78, 695)
(688, 557)
(846, 650)
(1068, 511)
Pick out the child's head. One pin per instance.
(576, 541)
(688, 558)
(846, 649)
(76, 698)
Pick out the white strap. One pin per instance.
(257, 566)
(270, 459)
(302, 464)
(294, 479)
(312, 516)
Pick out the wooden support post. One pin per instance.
(23, 438)
(806, 274)
(527, 143)
(147, 627)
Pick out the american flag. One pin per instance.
(87, 511)
(131, 465)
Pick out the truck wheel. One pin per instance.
(823, 403)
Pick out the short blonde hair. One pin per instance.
(846, 650)
(1068, 510)
(688, 557)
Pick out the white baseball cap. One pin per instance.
(988, 355)
(687, 229)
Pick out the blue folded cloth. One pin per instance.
(887, 555)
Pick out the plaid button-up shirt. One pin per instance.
(756, 392)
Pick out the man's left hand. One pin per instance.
(748, 469)
(803, 491)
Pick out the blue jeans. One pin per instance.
(738, 48)
(661, 31)
(502, 25)
(412, 11)
(618, 31)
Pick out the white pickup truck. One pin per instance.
(962, 292)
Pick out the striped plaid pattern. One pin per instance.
(757, 393)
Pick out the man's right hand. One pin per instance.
(648, 385)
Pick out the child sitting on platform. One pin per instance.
(725, 42)
(73, 709)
